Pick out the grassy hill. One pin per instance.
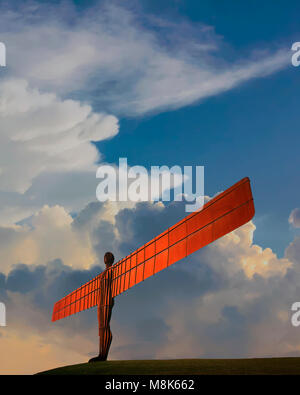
(273, 366)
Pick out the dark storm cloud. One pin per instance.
(105, 240)
(22, 279)
(294, 218)
(142, 223)
(293, 251)
(44, 285)
(85, 216)
(2, 288)
(205, 302)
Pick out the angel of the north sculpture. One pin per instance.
(219, 216)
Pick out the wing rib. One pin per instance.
(221, 215)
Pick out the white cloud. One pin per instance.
(47, 236)
(42, 133)
(173, 83)
(108, 54)
(242, 254)
(46, 153)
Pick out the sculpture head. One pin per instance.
(108, 259)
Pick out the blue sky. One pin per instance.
(249, 131)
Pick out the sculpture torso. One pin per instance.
(105, 295)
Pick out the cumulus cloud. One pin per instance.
(294, 218)
(41, 133)
(230, 299)
(48, 235)
(46, 151)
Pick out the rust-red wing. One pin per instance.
(221, 215)
(81, 299)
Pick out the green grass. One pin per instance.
(184, 366)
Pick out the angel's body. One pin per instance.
(105, 306)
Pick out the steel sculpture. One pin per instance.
(221, 215)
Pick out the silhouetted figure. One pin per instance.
(105, 306)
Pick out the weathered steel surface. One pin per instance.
(221, 215)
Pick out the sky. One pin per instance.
(175, 83)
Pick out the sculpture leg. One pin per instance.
(105, 342)
(105, 335)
